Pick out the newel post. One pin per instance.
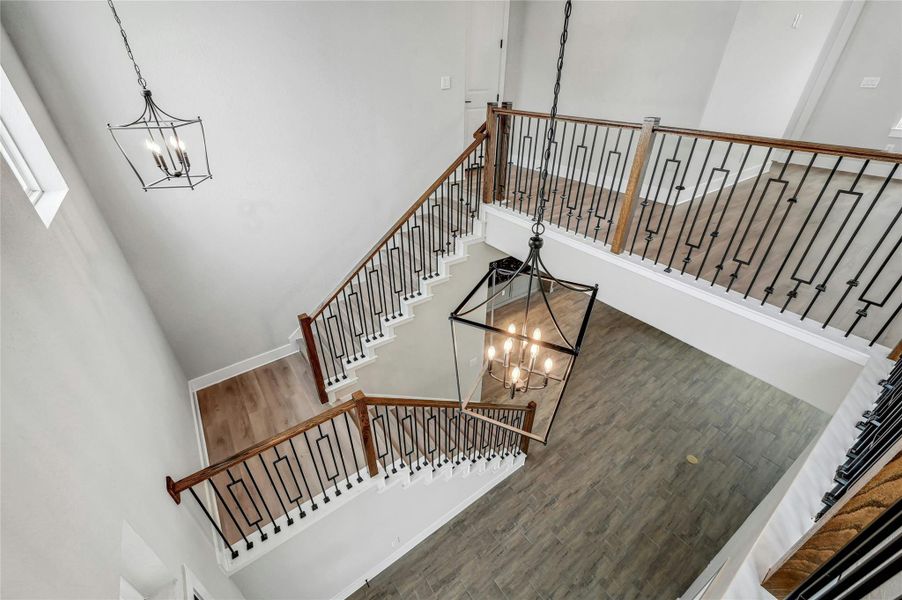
(313, 356)
(527, 425)
(637, 172)
(502, 135)
(366, 433)
(488, 174)
(896, 353)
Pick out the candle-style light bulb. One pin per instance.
(508, 345)
(491, 353)
(533, 350)
(515, 375)
(537, 334)
(176, 143)
(156, 151)
(548, 365)
(512, 328)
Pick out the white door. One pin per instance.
(486, 30)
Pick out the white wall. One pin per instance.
(624, 60)
(790, 356)
(325, 121)
(846, 113)
(94, 404)
(767, 65)
(422, 352)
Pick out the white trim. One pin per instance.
(24, 150)
(242, 366)
(426, 532)
(193, 585)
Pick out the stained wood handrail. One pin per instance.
(382, 401)
(571, 118)
(478, 137)
(784, 144)
(175, 488)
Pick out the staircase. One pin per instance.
(274, 489)
(809, 230)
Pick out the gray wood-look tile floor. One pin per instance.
(611, 508)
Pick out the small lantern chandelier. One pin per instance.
(160, 141)
(526, 361)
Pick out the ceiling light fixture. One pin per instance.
(160, 141)
(526, 362)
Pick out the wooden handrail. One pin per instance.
(381, 401)
(358, 400)
(175, 488)
(478, 136)
(571, 118)
(784, 144)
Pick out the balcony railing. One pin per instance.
(811, 229)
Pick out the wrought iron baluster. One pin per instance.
(203, 507)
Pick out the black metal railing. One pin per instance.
(414, 436)
(276, 483)
(810, 229)
(373, 295)
(588, 168)
(879, 429)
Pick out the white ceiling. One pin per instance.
(324, 122)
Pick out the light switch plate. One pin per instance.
(870, 82)
(446, 82)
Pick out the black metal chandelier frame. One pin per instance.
(533, 267)
(154, 121)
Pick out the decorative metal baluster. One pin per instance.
(247, 492)
(296, 499)
(203, 507)
(272, 483)
(247, 543)
(645, 198)
(341, 455)
(680, 188)
(326, 358)
(319, 478)
(313, 504)
(276, 528)
(822, 287)
(353, 451)
(723, 213)
(790, 203)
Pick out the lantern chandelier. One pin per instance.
(525, 361)
(159, 141)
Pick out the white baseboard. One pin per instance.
(444, 519)
(242, 366)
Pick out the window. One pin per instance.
(27, 156)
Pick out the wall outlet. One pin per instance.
(446, 82)
(870, 82)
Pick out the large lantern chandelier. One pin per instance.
(529, 325)
(159, 142)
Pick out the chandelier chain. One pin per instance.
(141, 81)
(538, 227)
